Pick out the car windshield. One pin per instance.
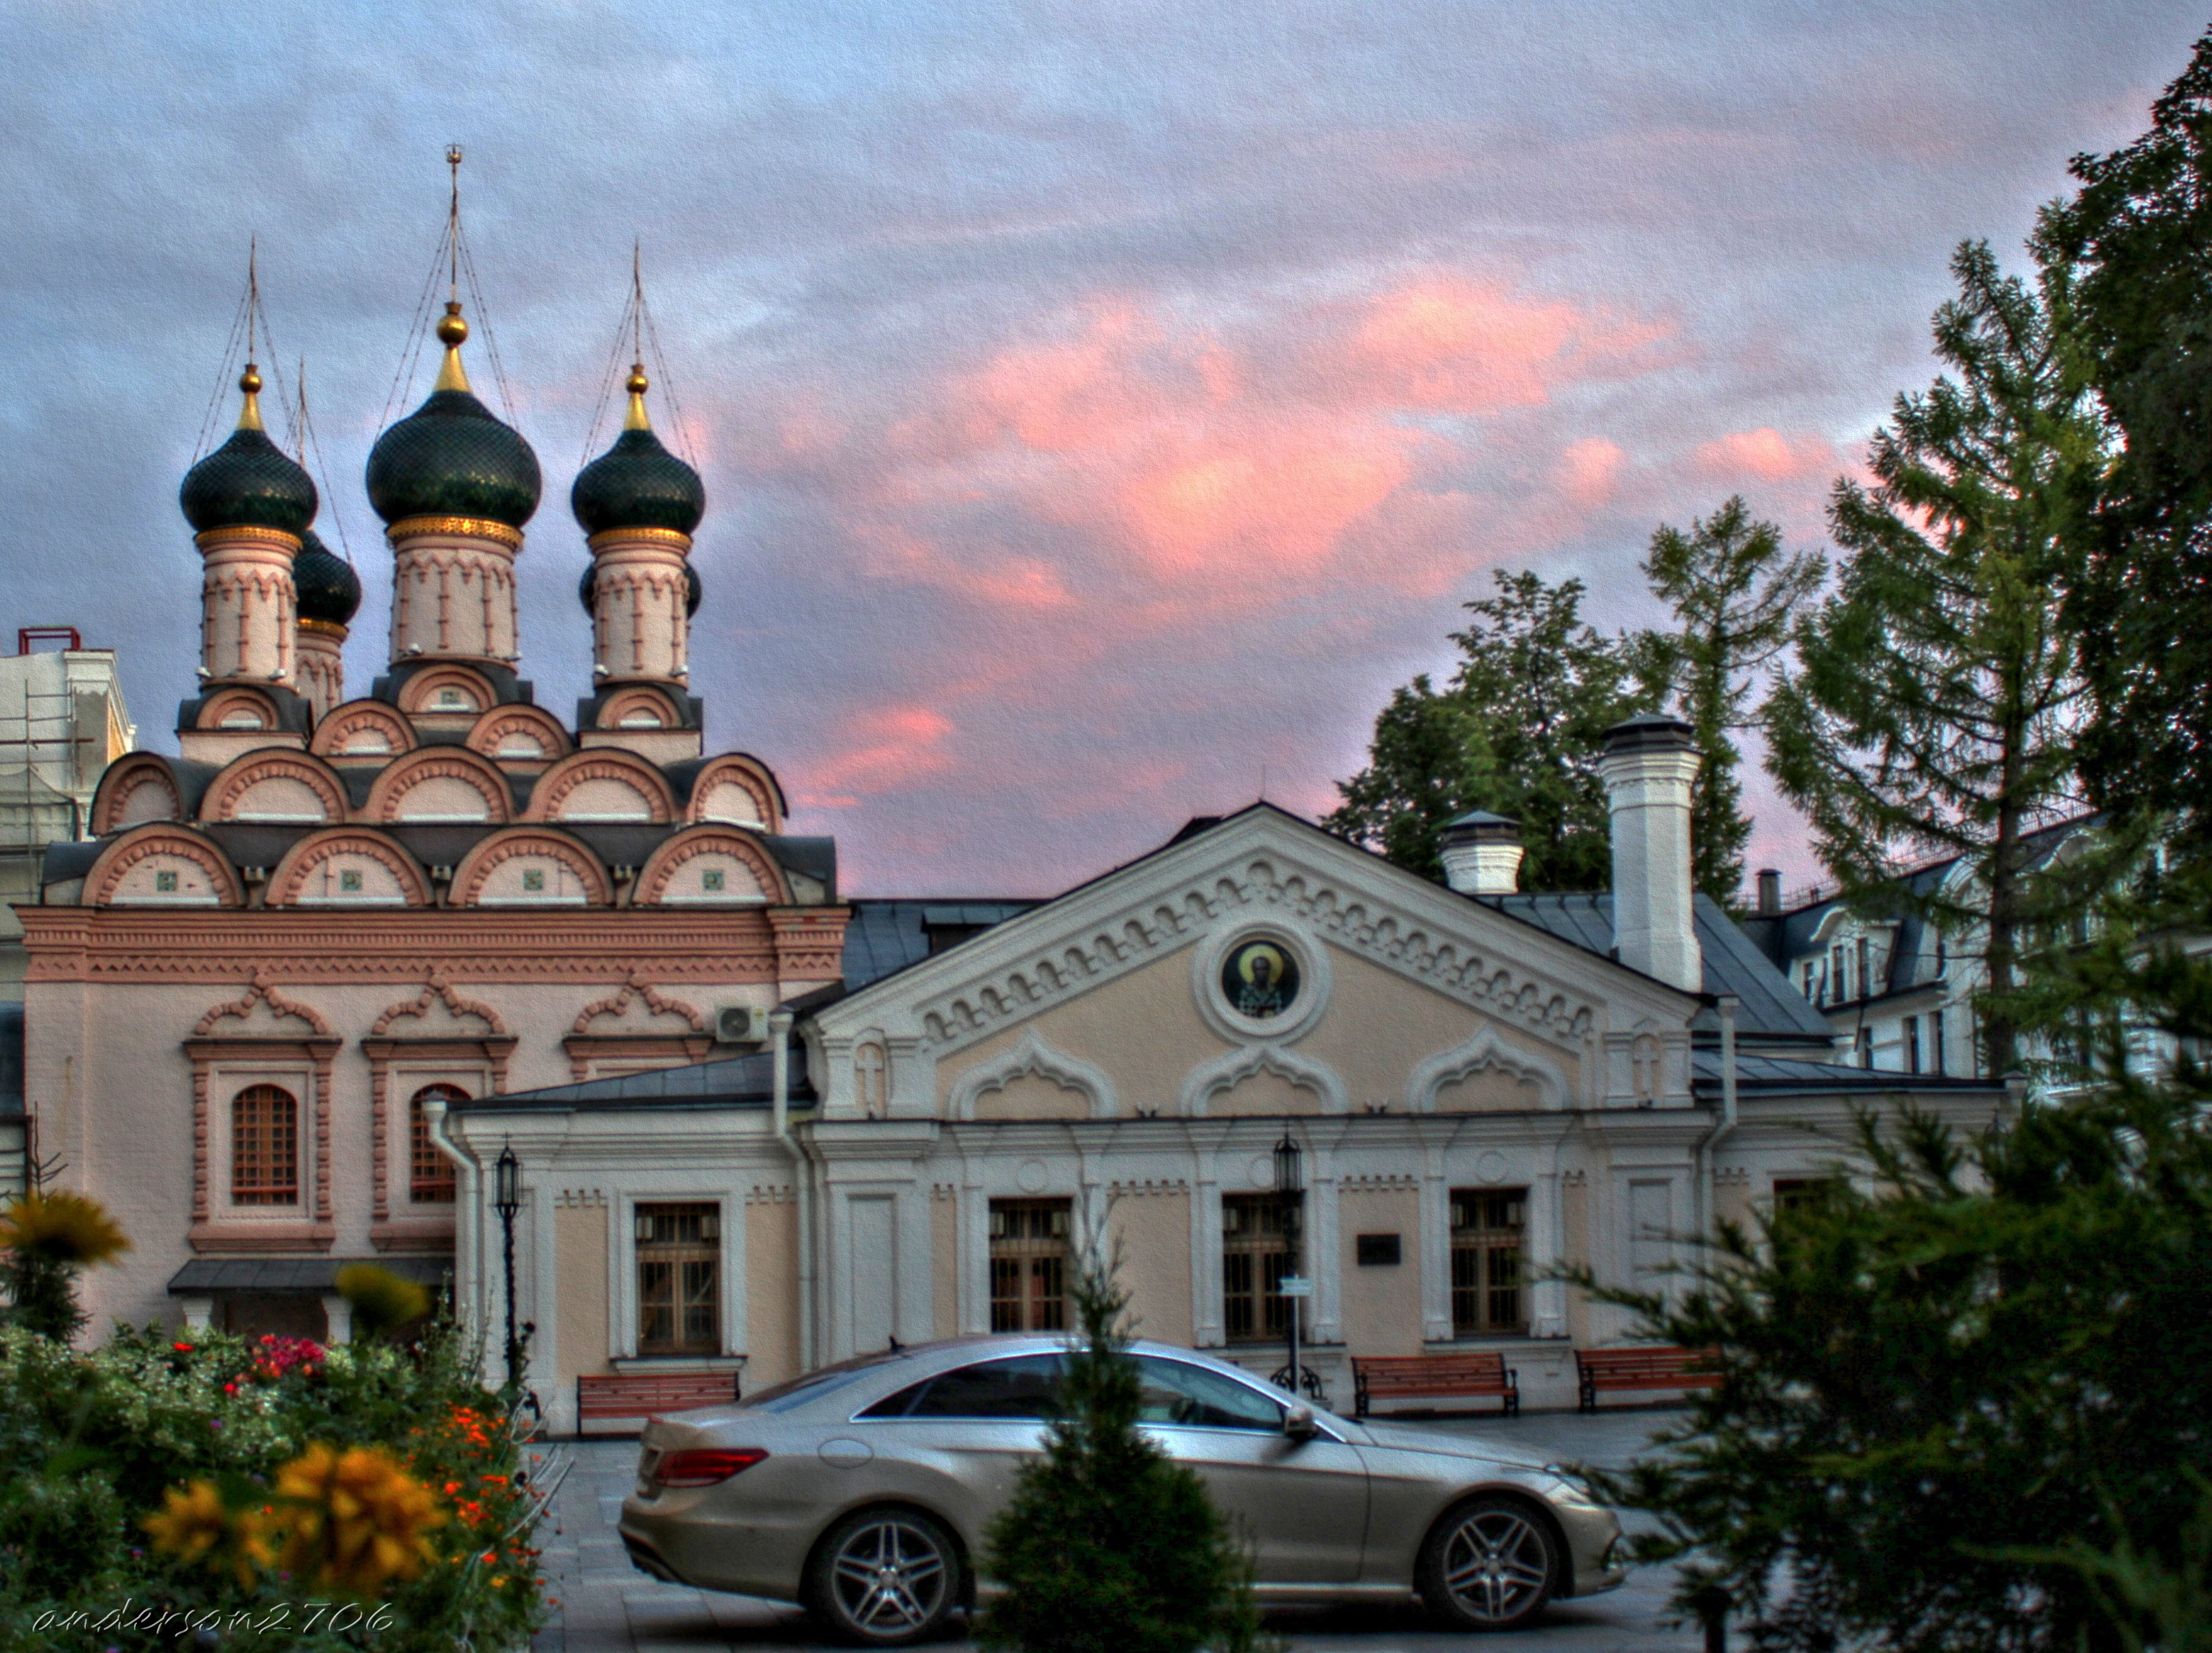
(827, 1380)
(1176, 1392)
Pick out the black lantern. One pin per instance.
(1290, 1179)
(506, 1201)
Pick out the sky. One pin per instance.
(1103, 403)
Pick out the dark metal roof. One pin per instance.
(1772, 1075)
(884, 937)
(735, 1081)
(1772, 1011)
(207, 1275)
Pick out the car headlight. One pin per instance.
(1572, 1488)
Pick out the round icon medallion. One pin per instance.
(1260, 979)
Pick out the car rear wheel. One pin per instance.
(1488, 1565)
(884, 1577)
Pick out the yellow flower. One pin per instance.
(355, 1519)
(191, 1522)
(61, 1227)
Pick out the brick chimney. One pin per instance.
(1482, 853)
(1648, 764)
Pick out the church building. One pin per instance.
(328, 918)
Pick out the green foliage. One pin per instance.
(1956, 1390)
(1108, 1545)
(90, 1442)
(1933, 704)
(1734, 593)
(2135, 247)
(1518, 732)
(46, 1240)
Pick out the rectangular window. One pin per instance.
(264, 1147)
(1029, 1265)
(1936, 1039)
(1812, 985)
(1255, 1254)
(1866, 1047)
(1839, 981)
(1866, 968)
(1792, 1192)
(1487, 1230)
(1912, 1044)
(679, 1279)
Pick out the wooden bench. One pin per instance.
(626, 1399)
(1430, 1376)
(1640, 1366)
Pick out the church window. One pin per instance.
(165, 883)
(264, 1147)
(1255, 1254)
(679, 1279)
(1487, 1227)
(429, 1173)
(713, 879)
(1029, 1265)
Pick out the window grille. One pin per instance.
(1029, 1265)
(264, 1147)
(1487, 1229)
(429, 1173)
(679, 1279)
(1255, 1254)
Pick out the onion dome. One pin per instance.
(637, 482)
(328, 587)
(450, 458)
(248, 482)
(693, 591)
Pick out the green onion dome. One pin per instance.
(637, 482)
(450, 458)
(693, 591)
(328, 587)
(248, 482)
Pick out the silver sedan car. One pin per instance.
(864, 1490)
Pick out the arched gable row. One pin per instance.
(523, 735)
(602, 785)
(347, 867)
(362, 728)
(137, 788)
(162, 865)
(239, 708)
(275, 788)
(710, 865)
(440, 786)
(739, 789)
(530, 867)
(447, 691)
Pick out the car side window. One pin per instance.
(1023, 1387)
(1175, 1392)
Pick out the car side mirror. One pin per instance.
(1298, 1424)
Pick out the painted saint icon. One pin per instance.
(1260, 979)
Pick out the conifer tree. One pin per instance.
(1934, 702)
(1108, 1545)
(1735, 593)
(1518, 731)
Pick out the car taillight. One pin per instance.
(705, 1466)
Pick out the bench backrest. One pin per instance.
(1664, 1360)
(1428, 1368)
(625, 1395)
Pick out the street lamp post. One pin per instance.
(506, 1201)
(1289, 1186)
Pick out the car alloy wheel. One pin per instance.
(886, 1577)
(1488, 1566)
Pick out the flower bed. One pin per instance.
(286, 1495)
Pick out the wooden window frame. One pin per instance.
(438, 1186)
(681, 1237)
(1029, 1256)
(276, 1159)
(1255, 1254)
(1489, 1240)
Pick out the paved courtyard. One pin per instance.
(608, 1607)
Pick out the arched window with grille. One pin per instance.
(429, 1173)
(264, 1146)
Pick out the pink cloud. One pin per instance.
(1588, 472)
(1766, 455)
(881, 749)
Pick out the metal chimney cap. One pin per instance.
(1479, 826)
(1652, 731)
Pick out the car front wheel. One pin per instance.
(1488, 1565)
(884, 1577)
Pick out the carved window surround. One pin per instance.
(631, 1051)
(477, 1063)
(275, 1056)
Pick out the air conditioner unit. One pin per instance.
(741, 1025)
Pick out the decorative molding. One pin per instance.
(288, 877)
(439, 990)
(608, 538)
(478, 865)
(580, 1199)
(1119, 1189)
(459, 528)
(248, 770)
(489, 729)
(1213, 1005)
(1225, 1071)
(600, 763)
(636, 989)
(686, 842)
(247, 534)
(339, 725)
(1033, 1055)
(263, 991)
(735, 768)
(1484, 1050)
(653, 1049)
(122, 782)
